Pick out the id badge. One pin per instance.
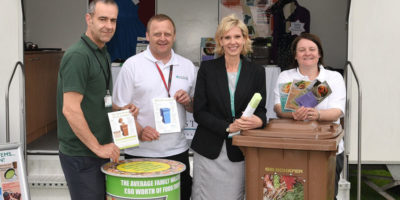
(108, 100)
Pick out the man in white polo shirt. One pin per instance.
(158, 73)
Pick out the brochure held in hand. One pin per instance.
(123, 129)
(303, 93)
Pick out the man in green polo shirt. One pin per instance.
(83, 100)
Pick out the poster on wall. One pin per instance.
(253, 13)
(190, 126)
(207, 47)
(13, 184)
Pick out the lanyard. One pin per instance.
(232, 96)
(107, 78)
(171, 68)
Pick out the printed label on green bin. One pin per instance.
(144, 188)
(143, 167)
(143, 178)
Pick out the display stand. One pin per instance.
(13, 181)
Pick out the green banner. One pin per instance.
(141, 188)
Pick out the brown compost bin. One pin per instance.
(290, 159)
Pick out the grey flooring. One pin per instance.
(46, 144)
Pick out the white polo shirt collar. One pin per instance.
(321, 75)
(173, 61)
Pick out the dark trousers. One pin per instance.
(339, 168)
(186, 179)
(84, 177)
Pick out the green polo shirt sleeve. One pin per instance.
(74, 73)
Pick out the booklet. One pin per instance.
(314, 95)
(166, 115)
(297, 89)
(123, 129)
(284, 89)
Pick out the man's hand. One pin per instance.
(133, 109)
(182, 97)
(108, 151)
(148, 134)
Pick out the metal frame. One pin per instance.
(22, 135)
(350, 65)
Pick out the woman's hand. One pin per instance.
(303, 113)
(246, 123)
(313, 114)
(300, 114)
(234, 127)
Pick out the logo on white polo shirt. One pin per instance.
(182, 77)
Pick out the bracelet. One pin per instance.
(319, 115)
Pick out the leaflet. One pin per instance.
(123, 129)
(314, 95)
(297, 89)
(166, 115)
(284, 89)
(303, 93)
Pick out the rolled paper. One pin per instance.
(251, 107)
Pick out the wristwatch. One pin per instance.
(227, 130)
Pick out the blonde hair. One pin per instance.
(227, 23)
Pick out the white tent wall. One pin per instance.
(374, 51)
(10, 54)
(193, 19)
(54, 23)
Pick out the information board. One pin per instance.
(13, 182)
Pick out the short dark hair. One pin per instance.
(311, 37)
(92, 5)
(160, 17)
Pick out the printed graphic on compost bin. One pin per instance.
(282, 187)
